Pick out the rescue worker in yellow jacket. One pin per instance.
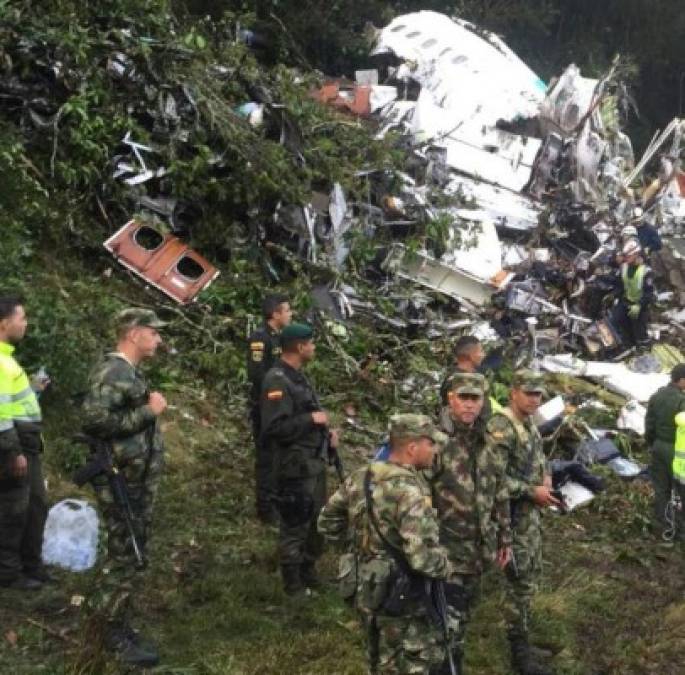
(631, 313)
(23, 501)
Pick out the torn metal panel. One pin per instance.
(475, 248)
(632, 416)
(528, 297)
(368, 78)
(130, 173)
(431, 273)
(503, 207)
(589, 151)
(567, 101)
(546, 166)
(487, 153)
(163, 260)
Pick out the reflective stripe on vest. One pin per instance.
(632, 286)
(679, 455)
(18, 402)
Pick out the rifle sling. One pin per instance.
(396, 554)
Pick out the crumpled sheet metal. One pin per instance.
(426, 271)
(632, 417)
(451, 62)
(455, 59)
(616, 377)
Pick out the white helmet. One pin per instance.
(629, 231)
(631, 247)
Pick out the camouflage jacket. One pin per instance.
(402, 506)
(470, 494)
(520, 448)
(115, 409)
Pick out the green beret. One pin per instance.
(528, 381)
(296, 331)
(136, 316)
(467, 383)
(410, 425)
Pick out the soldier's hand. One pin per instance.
(334, 438)
(19, 466)
(319, 417)
(542, 496)
(157, 403)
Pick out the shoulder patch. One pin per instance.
(257, 346)
(274, 394)
(257, 356)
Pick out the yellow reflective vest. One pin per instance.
(632, 286)
(19, 410)
(679, 456)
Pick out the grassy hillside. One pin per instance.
(612, 600)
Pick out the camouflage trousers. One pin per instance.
(523, 574)
(402, 645)
(299, 540)
(120, 575)
(462, 594)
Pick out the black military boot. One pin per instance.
(129, 647)
(292, 581)
(308, 575)
(522, 659)
(267, 515)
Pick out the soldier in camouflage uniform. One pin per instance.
(512, 435)
(121, 411)
(383, 515)
(470, 493)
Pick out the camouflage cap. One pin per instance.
(467, 383)
(528, 381)
(136, 316)
(296, 331)
(410, 425)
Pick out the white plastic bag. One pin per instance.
(70, 539)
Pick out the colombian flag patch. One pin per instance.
(274, 395)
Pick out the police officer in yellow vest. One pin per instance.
(23, 502)
(631, 313)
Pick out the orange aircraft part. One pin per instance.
(162, 259)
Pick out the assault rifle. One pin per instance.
(333, 456)
(102, 463)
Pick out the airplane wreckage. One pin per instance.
(534, 183)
